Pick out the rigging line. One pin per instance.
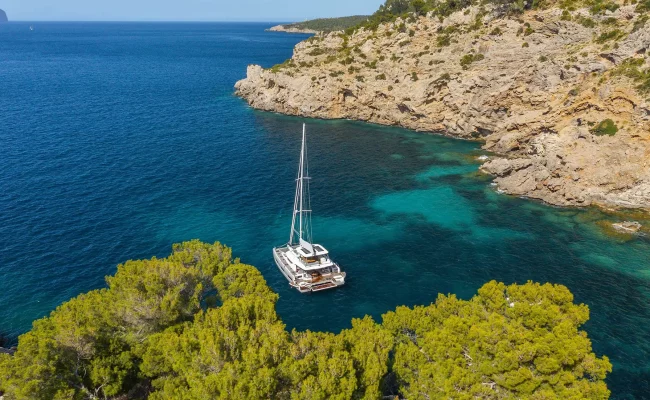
(309, 225)
(298, 195)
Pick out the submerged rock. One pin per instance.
(627, 226)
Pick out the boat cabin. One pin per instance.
(311, 257)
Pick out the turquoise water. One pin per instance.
(121, 139)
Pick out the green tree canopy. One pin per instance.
(201, 325)
(506, 342)
(86, 347)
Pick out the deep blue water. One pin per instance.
(118, 140)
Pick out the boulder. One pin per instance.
(10, 351)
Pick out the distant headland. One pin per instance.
(325, 25)
(3, 16)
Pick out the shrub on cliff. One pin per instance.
(632, 68)
(643, 6)
(605, 128)
(601, 6)
(611, 35)
(289, 63)
(200, 325)
(496, 32)
(317, 52)
(468, 59)
(640, 22)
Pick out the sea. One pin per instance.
(119, 139)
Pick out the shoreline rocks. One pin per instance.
(533, 88)
(4, 341)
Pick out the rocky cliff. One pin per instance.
(3, 16)
(561, 97)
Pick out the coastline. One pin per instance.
(532, 102)
(290, 29)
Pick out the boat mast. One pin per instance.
(302, 176)
(298, 205)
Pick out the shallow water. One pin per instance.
(121, 139)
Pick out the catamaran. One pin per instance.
(307, 266)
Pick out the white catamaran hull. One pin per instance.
(304, 282)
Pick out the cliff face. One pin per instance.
(3, 16)
(538, 89)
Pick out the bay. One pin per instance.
(119, 139)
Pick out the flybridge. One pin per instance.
(307, 266)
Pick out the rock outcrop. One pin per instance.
(3, 16)
(290, 29)
(535, 88)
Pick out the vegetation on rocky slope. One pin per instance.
(201, 325)
(393, 9)
(608, 30)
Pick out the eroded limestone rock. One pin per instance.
(534, 100)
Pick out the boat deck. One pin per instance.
(323, 286)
